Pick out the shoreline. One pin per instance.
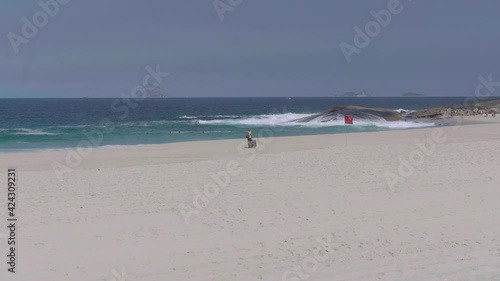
(439, 122)
(221, 147)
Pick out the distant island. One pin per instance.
(365, 94)
(362, 94)
(152, 91)
(412, 95)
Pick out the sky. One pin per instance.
(250, 48)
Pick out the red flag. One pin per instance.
(348, 119)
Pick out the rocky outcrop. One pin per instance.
(365, 113)
(357, 112)
(467, 109)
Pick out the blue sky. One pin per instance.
(261, 48)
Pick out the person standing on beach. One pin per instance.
(249, 135)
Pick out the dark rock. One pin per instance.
(354, 111)
(466, 109)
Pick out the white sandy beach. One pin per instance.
(301, 208)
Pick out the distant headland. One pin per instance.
(362, 94)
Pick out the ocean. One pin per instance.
(53, 124)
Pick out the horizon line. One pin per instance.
(219, 97)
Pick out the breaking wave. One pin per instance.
(208, 116)
(29, 132)
(291, 119)
(401, 110)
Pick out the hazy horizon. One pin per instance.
(249, 97)
(283, 48)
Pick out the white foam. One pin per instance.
(225, 116)
(208, 116)
(404, 110)
(259, 120)
(73, 126)
(33, 132)
(288, 119)
(394, 124)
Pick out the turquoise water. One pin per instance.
(47, 124)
